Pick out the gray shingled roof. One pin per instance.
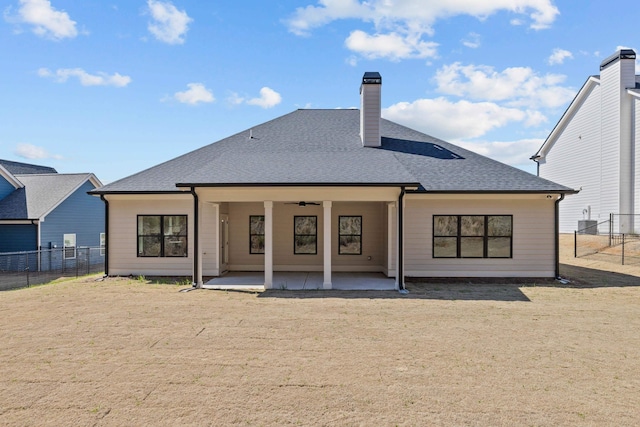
(40, 194)
(324, 147)
(17, 168)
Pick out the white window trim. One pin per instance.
(64, 245)
(103, 243)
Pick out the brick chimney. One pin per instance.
(370, 110)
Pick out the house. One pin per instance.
(43, 209)
(593, 148)
(333, 191)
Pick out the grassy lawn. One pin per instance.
(127, 352)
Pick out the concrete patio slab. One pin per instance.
(254, 281)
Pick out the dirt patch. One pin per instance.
(125, 352)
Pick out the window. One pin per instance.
(305, 235)
(103, 243)
(350, 235)
(472, 236)
(69, 246)
(256, 234)
(162, 235)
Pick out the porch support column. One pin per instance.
(400, 239)
(218, 237)
(391, 239)
(327, 244)
(268, 244)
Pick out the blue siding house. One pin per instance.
(43, 209)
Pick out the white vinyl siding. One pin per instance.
(533, 238)
(575, 161)
(636, 139)
(123, 216)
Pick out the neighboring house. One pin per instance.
(43, 209)
(593, 148)
(333, 191)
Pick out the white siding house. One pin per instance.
(333, 192)
(593, 149)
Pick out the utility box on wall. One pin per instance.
(587, 226)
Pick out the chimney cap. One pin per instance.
(620, 54)
(372, 77)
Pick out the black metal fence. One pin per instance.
(618, 248)
(23, 269)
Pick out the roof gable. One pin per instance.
(41, 194)
(574, 107)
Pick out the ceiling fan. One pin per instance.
(303, 204)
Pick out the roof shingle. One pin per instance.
(324, 146)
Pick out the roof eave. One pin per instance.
(10, 178)
(300, 184)
(556, 191)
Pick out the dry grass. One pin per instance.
(124, 352)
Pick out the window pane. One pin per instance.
(445, 225)
(149, 246)
(499, 247)
(499, 226)
(445, 247)
(472, 226)
(305, 224)
(350, 225)
(175, 225)
(471, 247)
(148, 225)
(175, 246)
(305, 245)
(256, 224)
(350, 245)
(257, 244)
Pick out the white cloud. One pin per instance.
(196, 94)
(400, 25)
(416, 14)
(452, 120)
(307, 18)
(169, 24)
(30, 151)
(558, 56)
(99, 79)
(517, 86)
(472, 41)
(392, 46)
(46, 20)
(514, 153)
(268, 98)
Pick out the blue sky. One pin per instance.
(115, 87)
